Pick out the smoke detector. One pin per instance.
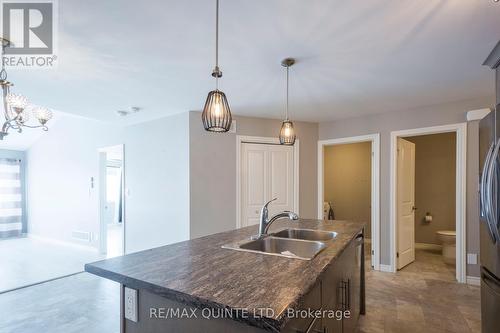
(133, 109)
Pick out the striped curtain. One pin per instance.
(11, 213)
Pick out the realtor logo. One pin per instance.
(30, 27)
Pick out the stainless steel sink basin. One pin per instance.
(284, 247)
(306, 234)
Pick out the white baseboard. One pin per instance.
(473, 280)
(428, 246)
(386, 268)
(62, 243)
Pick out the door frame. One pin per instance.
(460, 189)
(241, 139)
(375, 186)
(100, 205)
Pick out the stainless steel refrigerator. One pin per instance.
(489, 166)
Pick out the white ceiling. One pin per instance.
(354, 57)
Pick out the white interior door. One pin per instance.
(266, 173)
(103, 207)
(405, 224)
(280, 178)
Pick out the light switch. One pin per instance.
(472, 258)
(130, 304)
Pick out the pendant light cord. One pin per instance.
(217, 71)
(3, 72)
(286, 110)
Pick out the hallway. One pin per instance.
(422, 297)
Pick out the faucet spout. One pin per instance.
(265, 223)
(279, 216)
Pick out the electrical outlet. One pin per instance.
(130, 304)
(472, 258)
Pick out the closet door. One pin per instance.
(254, 182)
(281, 178)
(266, 173)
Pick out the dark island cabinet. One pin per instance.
(343, 289)
(338, 296)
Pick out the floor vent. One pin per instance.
(82, 236)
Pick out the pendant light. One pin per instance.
(216, 114)
(287, 133)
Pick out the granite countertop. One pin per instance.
(200, 273)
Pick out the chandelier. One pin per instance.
(17, 110)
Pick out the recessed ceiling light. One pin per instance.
(133, 109)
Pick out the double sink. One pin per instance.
(291, 243)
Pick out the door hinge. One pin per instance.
(373, 252)
(397, 255)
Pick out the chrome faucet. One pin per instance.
(265, 223)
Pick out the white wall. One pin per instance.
(157, 179)
(59, 167)
(61, 163)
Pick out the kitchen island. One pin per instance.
(199, 286)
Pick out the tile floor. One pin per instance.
(30, 260)
(82, 303)
(422, 297)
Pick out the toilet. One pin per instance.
(448, 239)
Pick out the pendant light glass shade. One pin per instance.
(287, 133)
(216, 114)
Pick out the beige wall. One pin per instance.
(213, 165)
(424, 117)
(435, 183)
(347, 181)
(213, 171)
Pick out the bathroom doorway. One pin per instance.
(348, 185)
(428, 200)
(111, 201)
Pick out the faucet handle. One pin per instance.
(267, 203)
(263, 211)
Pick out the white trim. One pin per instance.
(385, 268)
(375, 186)
(102, 173)
(103, 228)
(473, 280)
(428, 246)
(461, 174)
(477, 114)
(240, 139)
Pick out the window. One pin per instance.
(11, 198)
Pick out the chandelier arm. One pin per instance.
(5, 105)
(14, 124)
(5, 127)
(3, 72)
(33, 126)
